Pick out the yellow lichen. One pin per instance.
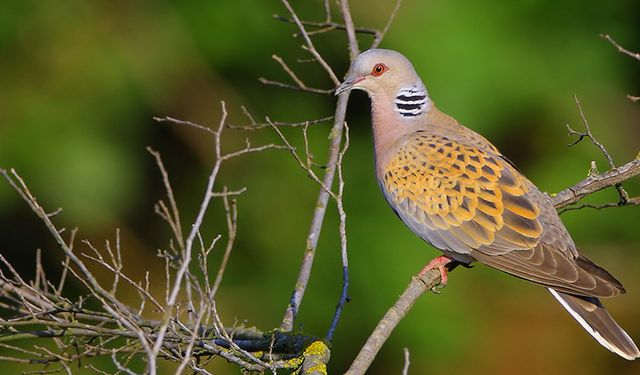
(293, 362)
(316, 348)
(318, 354)
(319, 369)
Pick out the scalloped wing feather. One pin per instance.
(455, 193)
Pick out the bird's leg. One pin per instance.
(439, 263)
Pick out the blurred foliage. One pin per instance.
(81, 82)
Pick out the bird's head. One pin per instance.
(380, 70)
(384, 73)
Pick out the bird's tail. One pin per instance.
(595, 319)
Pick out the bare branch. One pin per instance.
(309, 44)
(407, 361)
(595, 183)
(256, 126)
(195, 228)
(589, 135)
(268, 82)
(174, 218)
(342, 233)
(631, 202)
(187, 357)
(416, 288)
(620, 49)
(326, 26)
(624, 196)
(392, 16)
(634, 99)
(304, 165)
(182, 122)
(327, 10)
(231, 214)
(109, 302)
(299, 84)
(351, 32)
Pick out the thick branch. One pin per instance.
(416, 288)
(595, 183)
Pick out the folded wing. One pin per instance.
(469, 200)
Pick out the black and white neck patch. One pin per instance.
(411, 102)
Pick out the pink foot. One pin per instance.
(439, 263)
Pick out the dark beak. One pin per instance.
(347, 85)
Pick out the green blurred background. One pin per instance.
(80, 82)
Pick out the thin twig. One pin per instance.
(327, 26)
(635, 55)
(620, 49)
(65, 264)
(342, 231)
(624, 196)
(352, 41)
(109, 302)
(255, 126)
(299, 84)
(407, 361)
(631, 202)
(327, 10)
(172, 120)
(174, 218)
(309, 44)
(304, 164)
(231, 214)
(187, 357)
(634, 99)
(269, 82)
(392, 16)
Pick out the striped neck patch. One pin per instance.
(411, 102)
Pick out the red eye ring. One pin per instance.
(378, 69)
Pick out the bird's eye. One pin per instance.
(378, 70)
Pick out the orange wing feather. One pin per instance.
(461, 193)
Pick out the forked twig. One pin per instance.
(309, 44)
(299, 84)
(624, 196)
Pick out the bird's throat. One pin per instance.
(389, 126)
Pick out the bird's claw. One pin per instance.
(437, 289)
(438, 263)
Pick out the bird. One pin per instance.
(455, 190)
